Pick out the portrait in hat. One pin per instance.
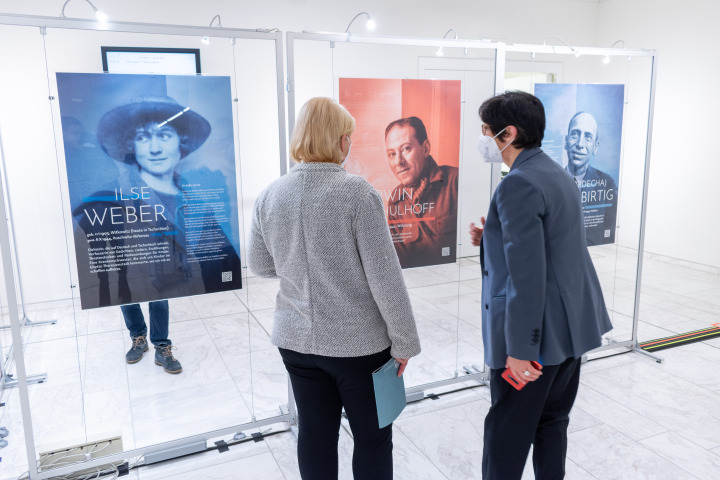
(156, 210)
(155, 133)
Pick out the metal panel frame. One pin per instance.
(291, 37)
(5, 232)
(500, 66)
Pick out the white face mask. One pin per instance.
(489, 149)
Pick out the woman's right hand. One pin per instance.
(403, 363)
(476, 233)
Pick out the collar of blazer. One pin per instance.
(525, 155)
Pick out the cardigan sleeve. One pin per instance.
(384, 275)
(260, 260)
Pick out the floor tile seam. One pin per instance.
(200, 468)
(213, 317)
(601, 369)
(615, 431)
(272, 453)
(669, 460)
(227, 368)
(417, 447)
(684, 437)
(667, 372)
(440, 409)
(597, 392)
(585, 470)
(259, 324)
(242, 397)
(660, 422)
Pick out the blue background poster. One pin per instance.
(584, 134)
(151, 177)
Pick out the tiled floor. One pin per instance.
(634, 418)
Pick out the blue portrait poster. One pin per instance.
(583, 133)
(150, 165)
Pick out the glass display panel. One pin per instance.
(92, 395)
(377, 83)
(615, 98)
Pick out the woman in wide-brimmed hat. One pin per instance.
(154, 133)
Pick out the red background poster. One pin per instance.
(377, 102)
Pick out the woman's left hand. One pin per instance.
(403, 363)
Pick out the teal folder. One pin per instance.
(389, 393)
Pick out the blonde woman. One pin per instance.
(343, 309)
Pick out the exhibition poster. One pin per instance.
(407, 145)
(150, 165)
(584, 135)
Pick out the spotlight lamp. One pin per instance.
(370, 24)
(439, 52)
(99, 14)
(606, 60)
(574, 50)
(205, 40)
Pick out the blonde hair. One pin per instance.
(320, 125)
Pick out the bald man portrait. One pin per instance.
(598, 190)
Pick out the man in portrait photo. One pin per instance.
(598, 190)
(422, 209)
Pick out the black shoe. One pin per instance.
(164, 358)
(139, 346)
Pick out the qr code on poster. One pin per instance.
(446, 251)
(607, 233)
(227, 276)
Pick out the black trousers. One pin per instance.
(322, 387)
(538, 415)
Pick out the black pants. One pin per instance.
(538, 414)
(322, 387)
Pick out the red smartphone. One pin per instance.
(508, 376)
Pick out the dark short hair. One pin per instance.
(417, 125)
(522, 110)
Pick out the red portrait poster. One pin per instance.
(407, 145)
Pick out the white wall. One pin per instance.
(683, 220)
(680, 217)
(25, 117)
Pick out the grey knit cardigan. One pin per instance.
(324, 233)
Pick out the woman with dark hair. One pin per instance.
(177, 247)
(342, 310)
(542, 303)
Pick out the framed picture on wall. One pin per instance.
(153, 61)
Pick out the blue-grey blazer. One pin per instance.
(541, 295)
